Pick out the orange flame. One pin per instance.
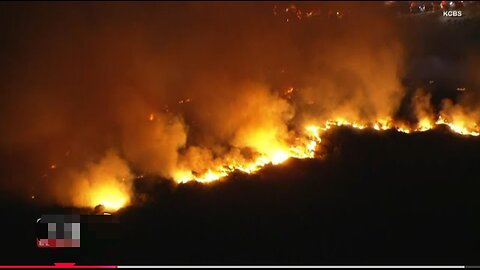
(307, 145)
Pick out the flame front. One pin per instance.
(109, 188)
(310, 140)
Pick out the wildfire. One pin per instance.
(307, 145)
(339, 122)
(112, 192)
(424, 124)
(274, 157)
(460, 126)
(106, 183)
(265, 147)
(110, 197)
(111, 188)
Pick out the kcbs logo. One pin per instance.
(453, 13)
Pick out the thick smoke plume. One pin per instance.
(95, 95)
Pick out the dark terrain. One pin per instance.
(377, 198)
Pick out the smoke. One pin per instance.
(107, 182)
(110, 91)
(423, 110)
(152, 146)
(356, 74)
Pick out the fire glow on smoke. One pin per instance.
(195, 91)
